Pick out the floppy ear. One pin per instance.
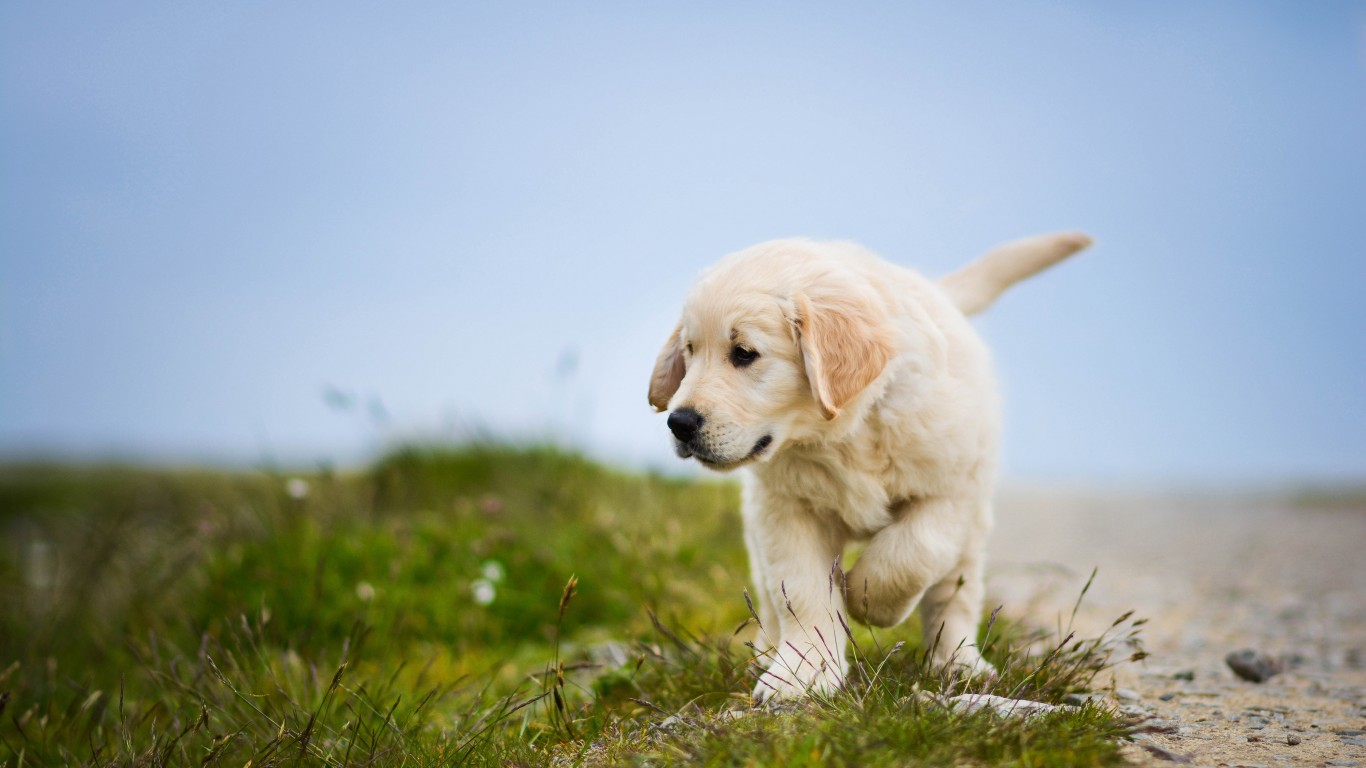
(668, 372)
(845, 345)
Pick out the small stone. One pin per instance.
(1168, 696)
(1354, 741)
(1254, 737)
(1349, 732)
(1185, 674)
(1162, 726)
(1292, 740)
(1081, 699)
(1165, 754)
(1343, 763)
(1252, 665)
(1356, 658)
(1124, 694)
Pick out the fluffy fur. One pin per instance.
(864, 403)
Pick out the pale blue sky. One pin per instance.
(485, 217)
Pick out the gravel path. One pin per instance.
(1214, 575)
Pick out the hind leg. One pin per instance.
(950, 611)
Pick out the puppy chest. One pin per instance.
(859, 501)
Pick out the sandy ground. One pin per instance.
(1213, 575)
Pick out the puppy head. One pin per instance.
(772, 345)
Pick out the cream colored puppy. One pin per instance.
(864, 402)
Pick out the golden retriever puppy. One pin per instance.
(864, 404)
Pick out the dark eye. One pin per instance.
(690, 348)
(741, 357)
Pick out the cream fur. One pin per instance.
(869, 414)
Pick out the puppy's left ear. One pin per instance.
(845, 345)
(669, 370)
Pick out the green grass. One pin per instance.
(418, 613)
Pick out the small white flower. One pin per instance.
(297, 488)
(42, 565)
(365, 592)
(493, 571)
(483, 591)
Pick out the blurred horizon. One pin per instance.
(257, 235)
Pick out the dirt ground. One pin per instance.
(1214, 574)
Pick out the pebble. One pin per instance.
(1343, 763)
(1124, 694)
(1355, 741)
(1252, 665)
(1165, 754)
(1292, 739)
(1162, 726)
(1080, 699)
(1185, 674)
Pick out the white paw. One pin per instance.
(794, 674)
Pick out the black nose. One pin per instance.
(684, 423)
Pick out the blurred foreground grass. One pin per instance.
(417, 613)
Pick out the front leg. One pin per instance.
(796, 553)
(762, 605)
(934, 546)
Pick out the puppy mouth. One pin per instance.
(712, 461)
